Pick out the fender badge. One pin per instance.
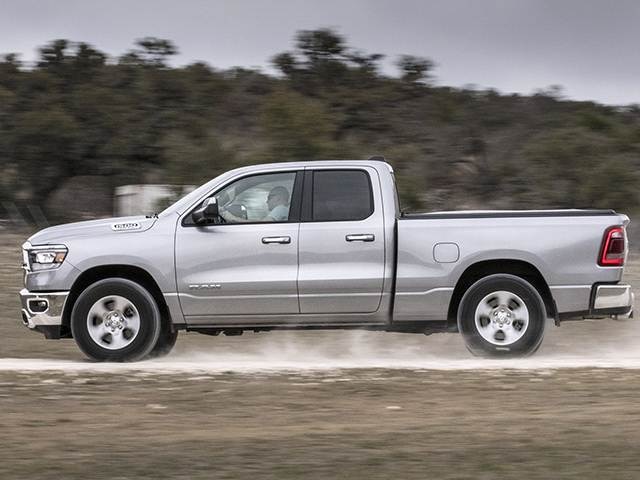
(201, 286)
(119, 227)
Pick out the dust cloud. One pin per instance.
(585, 344)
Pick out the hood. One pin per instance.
(102, 227)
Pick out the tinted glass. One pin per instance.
(341, 195)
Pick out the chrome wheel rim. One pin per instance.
(113, 322)
(502, 318)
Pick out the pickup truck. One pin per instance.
(320, 245)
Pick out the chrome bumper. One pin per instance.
(614, 299)
(42, 309)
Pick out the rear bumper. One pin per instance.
(605, 300)
(42, 311)
(613, 300)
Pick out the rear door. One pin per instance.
(341, 241)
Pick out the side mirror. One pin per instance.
(207, 211)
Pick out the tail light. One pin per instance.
(613, 248)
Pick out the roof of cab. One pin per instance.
(314, 163)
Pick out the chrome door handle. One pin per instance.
(276, 239)
(362, 237)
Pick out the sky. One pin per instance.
(589, 47)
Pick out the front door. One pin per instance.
(246, 263)
(342, 251)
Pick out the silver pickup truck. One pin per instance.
(313, 245)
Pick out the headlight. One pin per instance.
(44, 257)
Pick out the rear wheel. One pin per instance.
(502, 316)
(115, 320)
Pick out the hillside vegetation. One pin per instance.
(136, 119)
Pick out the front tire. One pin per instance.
(164, 345)
(502, 316)
(115, 320)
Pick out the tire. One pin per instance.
(115, 320)
(164, 345)
(502, 316)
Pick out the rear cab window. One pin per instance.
(338, 195)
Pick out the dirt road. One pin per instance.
(334, 424)
(319, 405)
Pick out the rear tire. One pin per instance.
(115, 320)
(502, 316)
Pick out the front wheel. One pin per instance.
(166, 342)
(115, 320)
(502, 316)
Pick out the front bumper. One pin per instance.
(43, 311)
(613, 300)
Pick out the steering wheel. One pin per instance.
(237, 210)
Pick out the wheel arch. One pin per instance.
(519, 268)
(128, 272)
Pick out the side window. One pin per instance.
(260, 198)
(341, 195)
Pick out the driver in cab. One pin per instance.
(277, 205)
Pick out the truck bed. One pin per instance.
(435, 249)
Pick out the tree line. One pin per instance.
(136, 119)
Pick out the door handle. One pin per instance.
(361, 237)
(276, 240)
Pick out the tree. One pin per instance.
(322, 61)
(296, 127)
(320, 45)
(54, 54)
(44, 146)
(286, 63)
(88, 59)
(193, 161)
(415, 69)
(151, 52)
